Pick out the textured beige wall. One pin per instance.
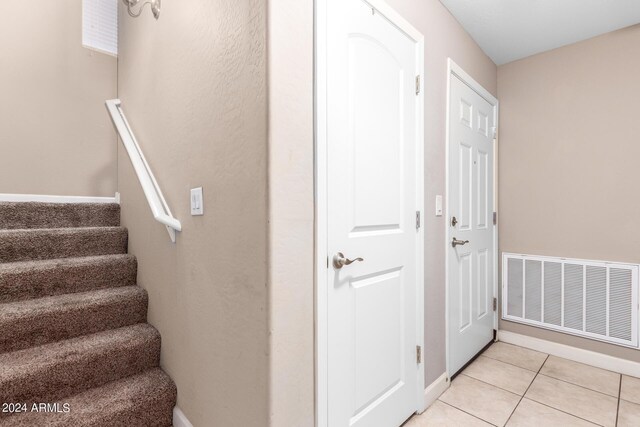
(291, 213)
(569, 150)
(193, 86)
(55, 135)
(444, 38)
(291, 184)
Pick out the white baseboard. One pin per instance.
(435, 389)
(180, 419)
(587, 357)
(57, 199)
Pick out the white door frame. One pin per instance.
(454, 69)
(321, 232)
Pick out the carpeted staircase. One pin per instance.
(73, 322)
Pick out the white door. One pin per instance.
(372, 199)
(470, 223)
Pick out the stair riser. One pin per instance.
(58, 215)
(81, 371)
(68, 321)
(51, 244)
(21, 282)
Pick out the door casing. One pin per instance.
(454, 69)
(321, 214)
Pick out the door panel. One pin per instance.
(371, 205)
(484, 293)
(376, 134)
(483, 190)
(466, 180)
(378, 336)
(471, 274)
(464, 283)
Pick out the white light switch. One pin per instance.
(438, 205)
(197, 201)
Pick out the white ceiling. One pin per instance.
(512, 29)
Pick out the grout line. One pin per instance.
(629, 401)
(492, 385)
(577, 385)
(468, 413)
(619, 397)
(586, 364)
(538, 373)
(525, 392)
(560, 410)
(508, 363)
(557, 357)
(565, 412)
(523, 348)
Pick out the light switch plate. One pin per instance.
(197, 201)
(438, 205)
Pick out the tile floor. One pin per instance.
(514, 386)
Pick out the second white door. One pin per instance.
(470, 237)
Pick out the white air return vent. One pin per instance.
(592, 299)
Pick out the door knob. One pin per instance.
(340, 261)
(457, 242)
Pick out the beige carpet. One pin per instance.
(75, 348)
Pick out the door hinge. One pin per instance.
(418, 85)
(495, 304)
(495, 132)
(418, 222)
(418, 354)
(495, 218)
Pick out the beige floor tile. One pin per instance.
(533, 414)
(480, 399)
(522, 357)
(584, 403)
(629, 414)
(630, 389)
(500, 374)
(442, 415)
(597, 379)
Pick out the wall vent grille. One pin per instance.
(592, 299)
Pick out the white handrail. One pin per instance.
(150, 187)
